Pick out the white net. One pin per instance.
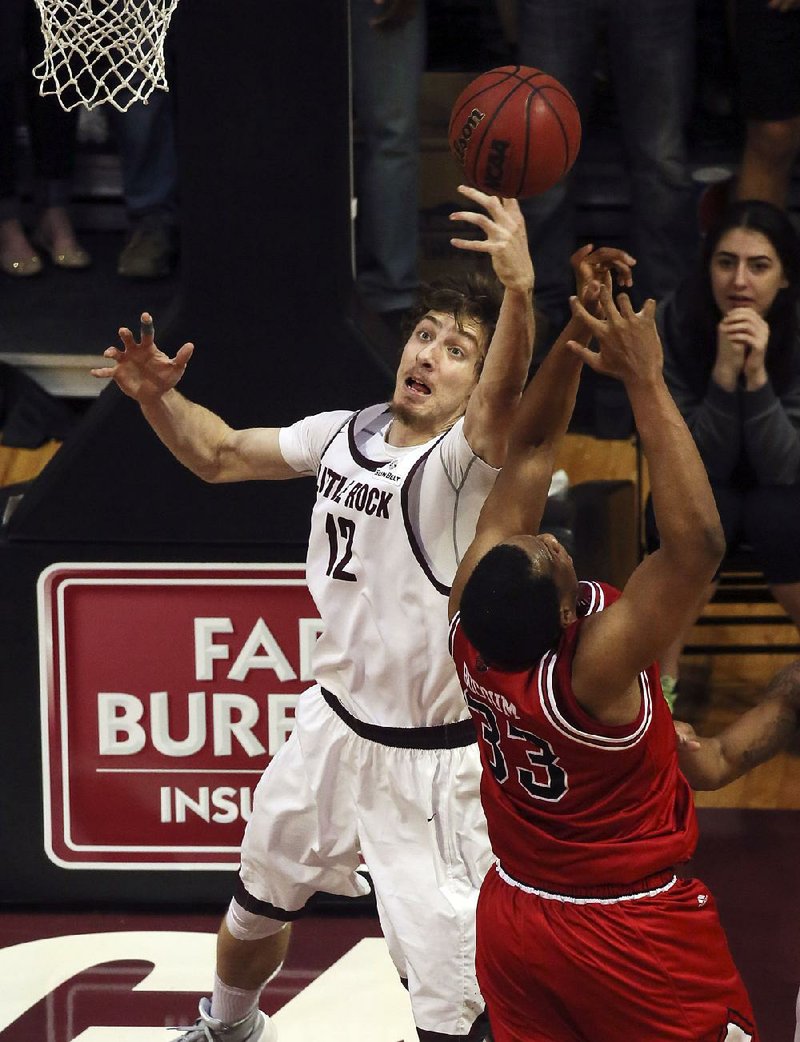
(99, 53)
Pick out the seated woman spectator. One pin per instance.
(731, 335)
(52, 135)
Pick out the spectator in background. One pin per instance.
(731, 336)
(52, 136)
(767, 45)
(389, 52)
(146, 139)
(651, 56)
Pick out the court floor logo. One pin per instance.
(165, 691)
(105, 1007)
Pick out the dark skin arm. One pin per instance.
(752, 739)
(517, 501)
(660, 598)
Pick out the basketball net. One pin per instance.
(103, 51)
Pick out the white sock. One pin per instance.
(232, 1004)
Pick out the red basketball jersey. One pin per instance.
(569, 800)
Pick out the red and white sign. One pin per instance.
(165, 691)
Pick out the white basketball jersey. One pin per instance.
(388, 530)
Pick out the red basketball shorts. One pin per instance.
(650, 969)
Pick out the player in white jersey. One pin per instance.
(382, 762)
(406, 513)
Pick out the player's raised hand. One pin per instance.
(594, 268)
(142, 370)
(629, 347)
(506, 239)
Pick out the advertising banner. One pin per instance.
(165, 691)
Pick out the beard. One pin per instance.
(413, 420)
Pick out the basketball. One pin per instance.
(515, 131)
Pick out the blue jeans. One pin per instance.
(387, 72)
(146, 140)
(651, 56)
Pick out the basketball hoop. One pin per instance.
(103, 51)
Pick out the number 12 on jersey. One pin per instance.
(341, 531)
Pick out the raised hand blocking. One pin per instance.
(628, 344)
(594, 268)
(142, 371)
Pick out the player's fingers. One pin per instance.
(146, 329)
(608, 258)
(510, 205)
(480, 220)
(184, 354)
(579, 311)
(591, 292)
(589, 357)
(112, 352)
(608, 304)
(476, 245)
(648, 309)
(686, 735)
(126, 337)
(611, 255)
(624, 305)
(489, 202)
(581, 254)
(103, 372)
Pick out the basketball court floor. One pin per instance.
(133, 976)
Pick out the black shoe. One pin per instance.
(149, 252)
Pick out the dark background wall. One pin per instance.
(264, 142)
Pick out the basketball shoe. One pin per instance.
(255, 1027)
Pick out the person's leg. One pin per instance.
(282, 868)
(387, 70)
(17, 256)
(11, 19)
(53, 143)
(772, 528)
(651, 47)
(250, 952)
(770, 149)
(561, 40)
(426, 867)
(247, 963)
(767, 50)
(145, 137)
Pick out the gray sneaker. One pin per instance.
(149, 251)
(256, 1027)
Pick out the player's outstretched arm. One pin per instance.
(753, 738)
(197, 437)
(517, 501)
(493, 403)
(661, 596)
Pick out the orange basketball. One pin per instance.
(515, 131)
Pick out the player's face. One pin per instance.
(438, 372)
(746, 272)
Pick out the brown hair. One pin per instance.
(473, 295)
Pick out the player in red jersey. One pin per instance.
(585, 933)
